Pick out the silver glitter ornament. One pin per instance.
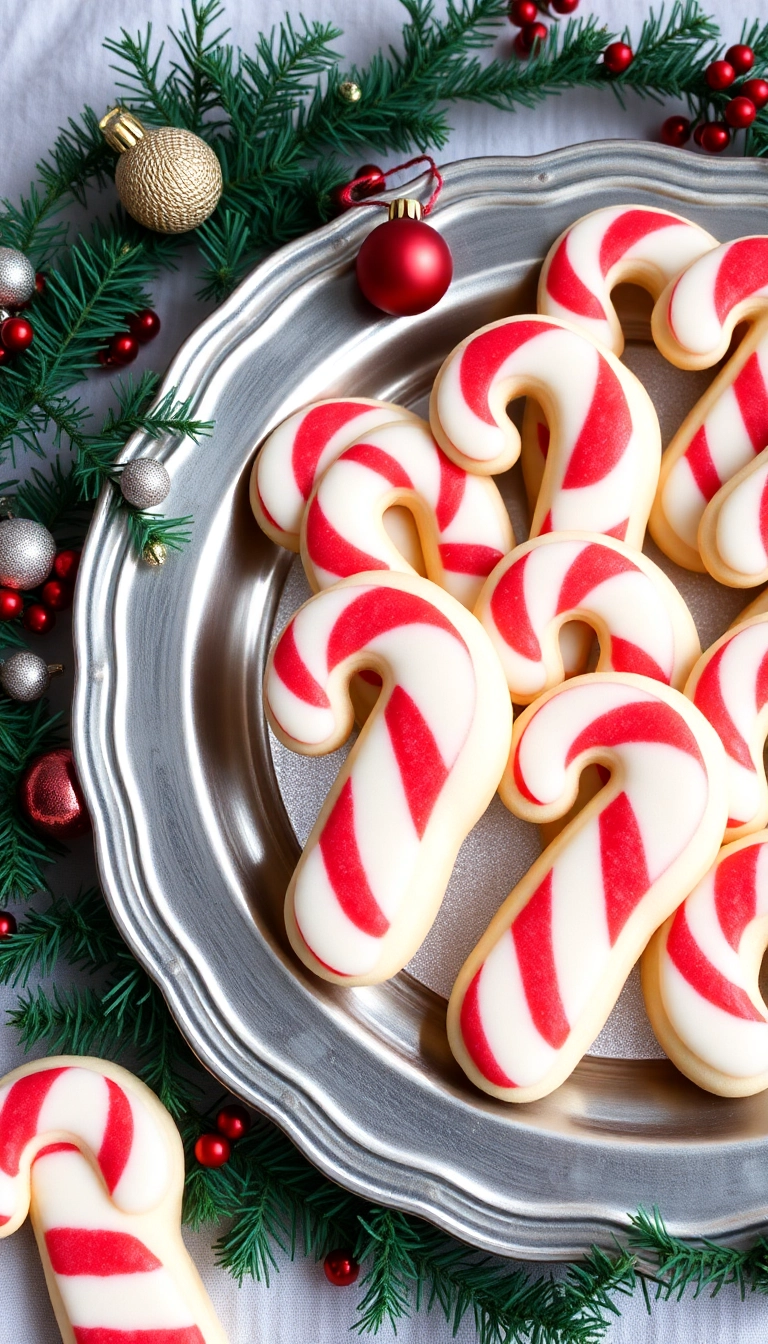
(26, 677)
(17, 278)
(27, 552)
(144, 482)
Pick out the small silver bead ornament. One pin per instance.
(17, 278)
(27, 552)
(144, 482)
(26, 677)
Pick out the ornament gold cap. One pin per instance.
(55, 669)
(405, 207)
(121, 129)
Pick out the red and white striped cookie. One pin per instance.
(90, 1153)
(640, 619)
(462, 521)
(423, 770)
(700, 975)
(693, 323)
(539, 985)
(729, 684)
(620, 244)
(296, 453)
(733, 533)
(604, 451)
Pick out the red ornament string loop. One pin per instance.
(348, 199)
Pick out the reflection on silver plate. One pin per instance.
(198, 815)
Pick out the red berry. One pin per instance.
(523, 12)
(533, 34)
(617, 58)
(56, 595)
(212, 1150)
(16, 334)
(40, 282)
(757, 91)
(715, 137)
(66, 565)
(675, 131)
(105, 359)
(340, 1267)
(374, 183)
(8, 924)
(5, 356)
(564, 6)
(698, 133)
(741, 57)
(11, 604)
(740, 112)
(39, 619)
(720, 74)
(123, 348)
(144, 325)
(233, 1121)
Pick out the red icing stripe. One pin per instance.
(94, 1334)
(510, 612)
(761, 682)
(742, 272)
(627, 230)
(55, 1148)
(592, 566)
(519, 777)
(461, 557)
(542, 436)
(268, 515)
(763, 517)
(346, 874)
(604, 435)
(565, 287)
(685, 953)
(80, 1250)
(639, 721)
(293, 671)
(118, 1136)
(329, 550)
(751, 394)
(483, 357)
(619, 531)
(475, 1039)
(546, 526)
(629, 657)
(383, 463)
(708, 697)
(20, 1114)
(736, 892)
(532, 936)
(375, 612)
(422, 768)
(701, 463)
(313, 434)
(453, 483)
(622, 857)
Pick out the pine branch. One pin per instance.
(681, 1265)
(26, 730)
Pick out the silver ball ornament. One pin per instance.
(17, 278)
(27, 552)
(26, 677)
(144, 482)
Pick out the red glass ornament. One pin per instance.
(404, 267)
(212, 1150)
(741, 57)
(740, 112)
(11, 604)
(39, 619)
(66, 565)
(757, 91)
(41, 283)
(720, 74)
(16, 334)
(144, 326)
(532, 35)
(105, 359)
(374, 183)
(522, 12)
(715, 137)
(56, 595)
(51, 798)
(564, 6)
(8, 924)
(676, 131)
(123, 348)
(233, 1121)
(617, 58)
(341, 1268)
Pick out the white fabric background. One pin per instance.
(53, 63)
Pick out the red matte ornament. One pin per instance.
(720, 75)
(212, 1150)
(56, 595)
(233, 1121)
(740, 112)
(676, 131)
(39, 619)
(123, 348)
(341, 1268)
(144, 326)
(617, 58)
(11, 604)
(16, 334)
(404, 267)
(715, 137)
(66, 565)
(8, 925)
(51, 798)
(757, 91)
(741, 57)
(522, 12)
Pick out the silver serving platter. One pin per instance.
(193, 807)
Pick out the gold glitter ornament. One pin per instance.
(167, 178)
(154, 554)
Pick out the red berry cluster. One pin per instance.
(739, 112)
(17, 333)
(124, 346)
(55, 595)
(374, 183)
(214, 1149)
(526, 15)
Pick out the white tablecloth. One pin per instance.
(53, 63)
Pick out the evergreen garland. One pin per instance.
(285, 140)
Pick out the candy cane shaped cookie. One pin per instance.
(463, 525)
(539, 985)
(733, 533)
(88, 1151)
(298, 452)
(693, 323)
(700, 975)
(604, 451)
(729, 684)
(423, 770)
(641, 620)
